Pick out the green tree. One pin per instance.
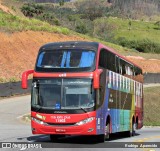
(61, 3)
(27, 10)
(129, 25)
(32, 9)
(158, 25)
(48, 17)
(103, 29)
(81, 28)
(91, 9)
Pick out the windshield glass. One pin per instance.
(66, 59)
(63, 93)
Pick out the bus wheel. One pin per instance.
(107, 131)
(101, 138)
(55, 137)
(132, 132)
(105, 136)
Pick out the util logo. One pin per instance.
(63, 75)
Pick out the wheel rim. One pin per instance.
(132, 132)
(107, 131)
(134, 126)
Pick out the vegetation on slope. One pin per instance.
(13, 23)
(139, 35)
(151, 106)
(92, 18)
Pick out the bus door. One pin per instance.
(119, 112)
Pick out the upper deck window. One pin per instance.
(66, 59)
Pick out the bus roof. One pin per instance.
(71, 44)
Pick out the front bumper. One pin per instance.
(64, 123)
(86, 129)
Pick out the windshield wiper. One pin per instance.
(83, 109)
(39, 107)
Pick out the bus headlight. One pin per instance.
(85, 121)
(39, 121)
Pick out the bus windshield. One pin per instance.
(63, 93)
(65, 59)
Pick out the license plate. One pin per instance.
(60, 130)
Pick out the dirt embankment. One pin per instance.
(18, 52)
(5, 9)
(148, 65)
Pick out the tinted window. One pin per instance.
(63, 93)
(138, 74)
(107, 60)
(66, 59)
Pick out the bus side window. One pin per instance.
(138, 74)
(102, 59)
(107, 60)
(122, 66)
(120, 69)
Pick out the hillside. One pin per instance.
(20, 39)
(135, 30)
(5, 9)
(151, 106)
(18, 51)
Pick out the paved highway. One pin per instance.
(14, 130)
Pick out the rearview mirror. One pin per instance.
(96, 79)
(25, 75)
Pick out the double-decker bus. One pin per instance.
(84, 88)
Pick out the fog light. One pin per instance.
(90, 129)
(33, 129)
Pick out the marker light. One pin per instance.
(85, 121)
(40, 116)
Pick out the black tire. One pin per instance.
(55, 137)
(103, 137)
(134, 129)
(107, 132)
(132, 132)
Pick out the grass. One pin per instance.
(11, 79)
(15, 23)
(139, 30)
(123, 50)
(11, 23)
(14, 6)
(152, 106)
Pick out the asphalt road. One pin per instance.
(14, 130)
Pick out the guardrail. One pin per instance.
(14, 88)
(151, 78)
